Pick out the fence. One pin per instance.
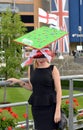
(71, 79)
(18, 104)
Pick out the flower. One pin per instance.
(65, 107)
(25, 115)
(8, 118)
(80, 116)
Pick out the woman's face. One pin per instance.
(41, 60)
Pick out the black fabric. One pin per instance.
(43, 98)
(63, 122)
(44, 117)
(43, 87)
(31, 69)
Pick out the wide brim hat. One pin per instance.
(39, 39)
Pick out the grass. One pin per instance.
(18, 94)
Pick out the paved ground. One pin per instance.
(68, 66)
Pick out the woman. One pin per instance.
(46, 96)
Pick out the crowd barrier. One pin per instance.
(71, 125)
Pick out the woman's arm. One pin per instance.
(26, 85)
(57, 83)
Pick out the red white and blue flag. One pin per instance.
(61, 9)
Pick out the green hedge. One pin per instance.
(77, 84)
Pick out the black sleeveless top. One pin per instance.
(43, 87)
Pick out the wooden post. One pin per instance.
(37, 4)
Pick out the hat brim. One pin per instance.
(39, 54)
(41, 37)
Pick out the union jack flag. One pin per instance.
(61, 9)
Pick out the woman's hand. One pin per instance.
(57, 116)
(26, 85)
(13, 81)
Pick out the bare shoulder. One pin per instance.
(55, 71)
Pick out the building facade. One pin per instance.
(28, 10)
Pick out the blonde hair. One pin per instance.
(35, 64)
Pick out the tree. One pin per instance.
(11, 27)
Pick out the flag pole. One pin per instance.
(53, 44)
(38, 19)
(50, 5)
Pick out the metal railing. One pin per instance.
(71, 79)
(18, 104)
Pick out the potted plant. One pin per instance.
(65, 107)
(8, 119)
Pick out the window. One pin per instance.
(3, 7)
(29, 29)
(27, 19)
(25, 8)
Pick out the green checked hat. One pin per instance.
(41, 37)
